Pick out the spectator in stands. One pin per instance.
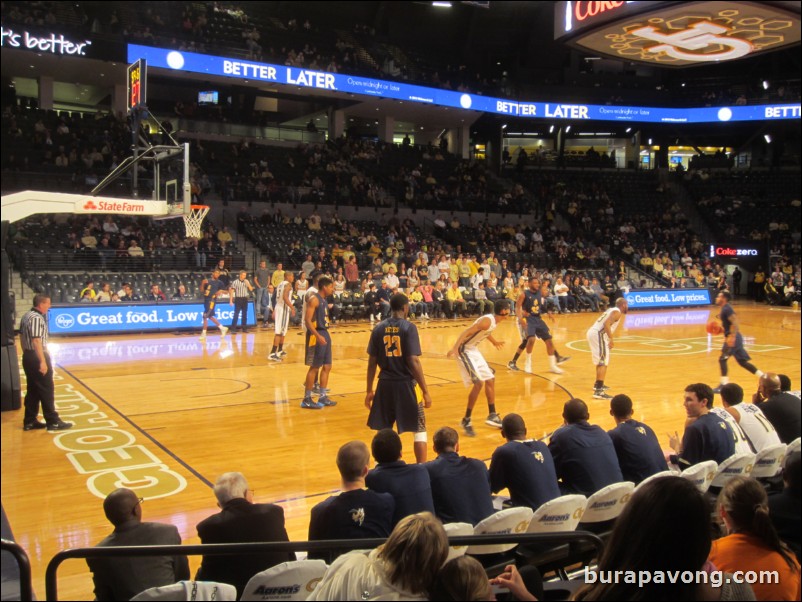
(383, 297)
(156, 293)
(460, 485)
(356, 512)
(240, 521)
(708, 437)
(122, 578)
(278, 275)
(129, 294)
(752, 543)
(407, 483)
(524, 466)
(181, 294)
(781, 408)
(88, 290)
(104, 295)
(462, 578)
(454, 304)
(750, 418)
(784, 505)
(404, 567)
(673, 512)
(636, 445)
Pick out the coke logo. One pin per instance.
(583, 10)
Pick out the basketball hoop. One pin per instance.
(194, 219)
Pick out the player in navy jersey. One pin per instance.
(733, 340)
(402, 394)
(318, 345)
(529, 311)
(212, 289)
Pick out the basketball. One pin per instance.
(714, 327)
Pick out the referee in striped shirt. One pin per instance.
(240, 289)
(38, 369)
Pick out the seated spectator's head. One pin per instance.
(668, 510)
(731, 394)
(352, 461)
(414, 552)
(513, 427)
(386, 446)
(792, 471)
(621, 407)
(743, 505)
(462, 578)
(122, 506)
(446, 439)
(230, 486)
(575, 410)
(785, 382)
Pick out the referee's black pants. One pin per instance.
(240, 307)
(40, 389)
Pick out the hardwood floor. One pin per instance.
(166, 414)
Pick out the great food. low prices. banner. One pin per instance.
(83, 318)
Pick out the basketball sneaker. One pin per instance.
(563, 358)
(493, 420)
(316, 389)
(310, 404)
(202, 337)
(555, 370)
(281, 353)
(513, 366)
(600, 394)
(467, 427)
(717, 390)
(327, 401)
(274, 357)
(223, 331)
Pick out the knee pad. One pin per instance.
(420, 437)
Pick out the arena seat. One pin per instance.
(606, 504)
(279, 582)
(657, 475)
(558, 515)
(794, 446)
(736, 465)
(457, 529)
(701, 474)
(510, 520)
(189, 590)
(768, 461)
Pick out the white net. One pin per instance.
(194, 219)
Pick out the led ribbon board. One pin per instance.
(251, 71)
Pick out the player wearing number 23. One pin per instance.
(401, 394)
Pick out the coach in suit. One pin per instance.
(240, 521)
(123, 578)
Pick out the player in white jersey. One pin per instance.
(284, 311)
(760, 432)
(600, 339)
(473, 367)
(742, 444)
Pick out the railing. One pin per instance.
(24, 564)
(51, 581)
(28, 260)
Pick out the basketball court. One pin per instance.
(166, 414)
